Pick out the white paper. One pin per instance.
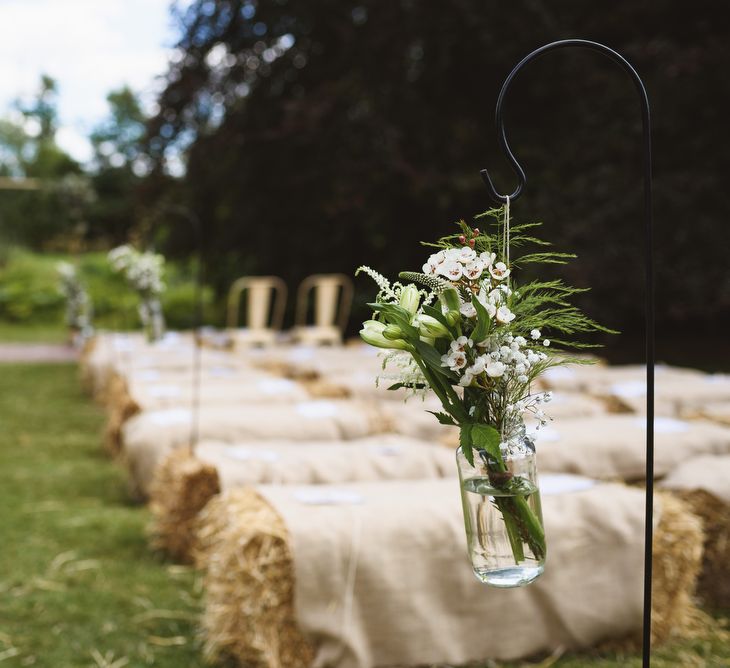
(147, 375)
(170, 417)
(664, 425)
(327, 496)
(164, 391)
(246, 454)
(275, 386)
(631, 389)
(316, 409)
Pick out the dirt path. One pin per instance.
(36, 352)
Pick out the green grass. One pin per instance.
(30, 333)
(79, 586)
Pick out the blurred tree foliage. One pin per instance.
(118, 167)
(55, 203)
(324, 134)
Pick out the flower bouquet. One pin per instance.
(78, 304)
(144, 273)
(466, 330)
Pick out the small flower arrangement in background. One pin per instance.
(78, 303)
(144, 272)
(466, 330)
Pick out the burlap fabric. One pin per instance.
(613, 446)
(148, 437)
(381, 457)
(381, 576)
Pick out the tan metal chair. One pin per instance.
(264, 313)
(332, 303)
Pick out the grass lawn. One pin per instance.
(78, 584)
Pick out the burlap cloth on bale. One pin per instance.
(613, 446)
(685, 397)
(704, 483)
(309, 361)
(412, 418)
(184, 482)
(591, 378)
(380, 577)
(148, 437)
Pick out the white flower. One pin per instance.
(451, 269)
(479, 366)
(487, 258)
(467, 255)
(535, 334)
(504, 315)
(429, 269)
(495, 369)
(466, 379)
(520, 340)
(546, 343)
(454, 360)
(461, 344)
(522, 379)
(452, 254)
(473, 270)
(468, 310)
(520, 368)
(434, 262)
(499, 271)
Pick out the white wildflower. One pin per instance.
(535, 334)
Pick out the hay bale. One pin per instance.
(713, 586)
(677, 559)
(182, 486)
(122, 410)
(250, 587)
(250, 613)
(704, 484)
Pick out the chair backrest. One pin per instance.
(332, 300)
(260, 291)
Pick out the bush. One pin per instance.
(29, 291)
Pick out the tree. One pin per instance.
(55, 205)
(319, 135)
(119, 165)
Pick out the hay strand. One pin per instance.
(677, 561)
(249, 611)
(181, 487)
(714, 581)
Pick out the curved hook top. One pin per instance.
(502, 136)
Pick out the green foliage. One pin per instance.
(29, 292)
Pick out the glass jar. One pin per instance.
(502, 514)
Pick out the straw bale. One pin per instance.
(704, 483)
(149, 436)
(677, 559)
(249, 584)
(182, 485)
(243, 542)
(217, 466)
(713, 586)
(122, 410)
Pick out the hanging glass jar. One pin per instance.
(502, 513)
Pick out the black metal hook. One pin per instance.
(649, 278)
(499, 118)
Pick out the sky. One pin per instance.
(90, 47)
